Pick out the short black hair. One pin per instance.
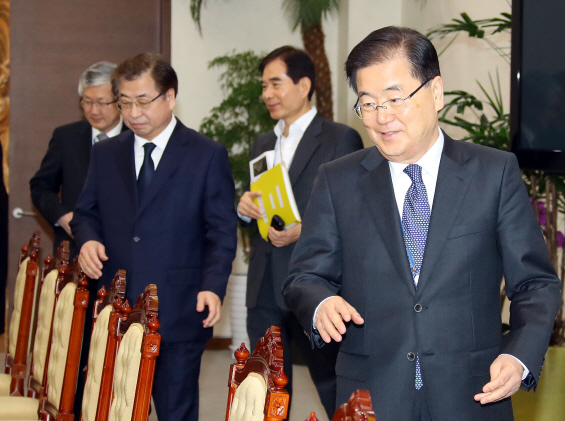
(159, 68)
(392, 42)
(298, 64)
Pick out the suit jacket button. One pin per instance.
(418, 308)
(411, 356)
(136, 239)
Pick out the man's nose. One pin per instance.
(134, 110)
(383, 116)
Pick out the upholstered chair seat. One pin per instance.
(17, 408)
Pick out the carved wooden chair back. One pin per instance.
(103, 347)
(134, 368)
(256, 383)
(358, 408)
(64, 355)
(12, 381)
(53, 273)
(56, 395)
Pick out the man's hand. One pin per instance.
(63, 222)
(246, 207)
(505, 379)
(330, 317)
(284, 237)
(90, 258)
(208, 298)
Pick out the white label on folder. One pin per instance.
(272, 201)
(278, 189)
(263, 211)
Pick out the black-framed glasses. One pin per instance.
(391, 106)
(87, 105)
(141, 103)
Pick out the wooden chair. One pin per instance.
(358, 408)
(13, 379)
(53, 274)
(103, 347)
(256, 383)
(64, 356)
(138, 347)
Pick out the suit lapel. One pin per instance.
(378, 192)
(172, 156)
(306, 148)
(452, 183)
(85, 143)
(126, 164)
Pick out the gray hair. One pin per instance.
(96, 75)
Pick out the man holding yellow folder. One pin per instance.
(303, 140)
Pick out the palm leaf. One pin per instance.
(308, 13)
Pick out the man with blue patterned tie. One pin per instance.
(404, 246)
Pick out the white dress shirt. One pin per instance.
(160, 142)
(110, 133)
(285, 148)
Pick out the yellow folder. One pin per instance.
(276, 198)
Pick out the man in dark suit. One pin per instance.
(158, 202)
(404, 247)
(55, 187)
(304, 140)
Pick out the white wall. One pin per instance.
(261, 26)
(467, 59)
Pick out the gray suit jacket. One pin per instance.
(482, 227)
(322, 142)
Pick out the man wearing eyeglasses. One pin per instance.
(158, 202)
(55, 187)
(404, 246)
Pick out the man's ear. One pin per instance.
(437, 92)
(305, 84)
(170, 98)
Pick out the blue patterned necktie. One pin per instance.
(146, 171)
(415, 223)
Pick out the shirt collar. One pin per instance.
(429, 162)
(111, 133)
(299, 126)
(160, 140)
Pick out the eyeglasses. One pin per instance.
(87, 105)
(391, 106)
(142, 104)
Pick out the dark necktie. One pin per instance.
(146, 171)
(415, 223)
(99, 137)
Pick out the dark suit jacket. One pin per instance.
(181, 237)
(62, 172)
(323, 141)
(482, 227)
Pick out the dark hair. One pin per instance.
(298, 64)
(159, 68)
(391, 42)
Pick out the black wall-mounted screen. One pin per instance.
(537, 112)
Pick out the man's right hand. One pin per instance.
(246, 207)
(91, 256)
(330, 317)
(63, 222)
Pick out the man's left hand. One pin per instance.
(505, 379)
(208, 298)
(284, 237)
